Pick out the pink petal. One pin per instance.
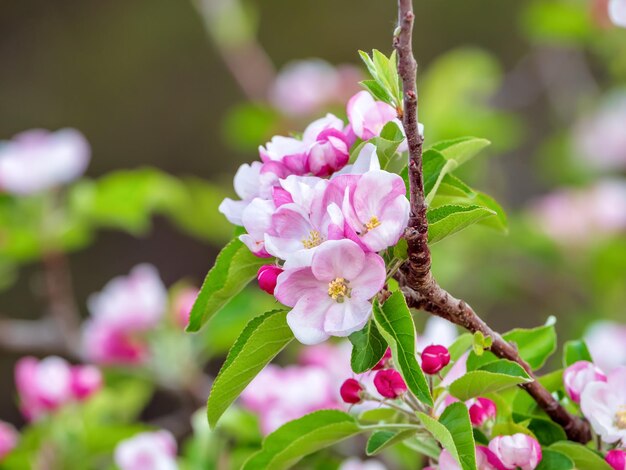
(306, 319)
(371, 279)
(343, 319)
(337, 258)
(294, 284)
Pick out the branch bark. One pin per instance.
(415, 278)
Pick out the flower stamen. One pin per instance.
(620, 417)
(372, 224)
(315, 239)
(338, 289)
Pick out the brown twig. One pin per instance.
(419, 286)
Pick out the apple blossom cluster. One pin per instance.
(147, 451)
(47, 385)
(324, 221)
(39, 160)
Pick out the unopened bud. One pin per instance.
(267, 276)
(351, 391)
(481, 411)
(435, 358)
(389, 383)
(384, 361)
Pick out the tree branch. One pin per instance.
(415, 278)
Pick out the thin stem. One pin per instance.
(420, 288)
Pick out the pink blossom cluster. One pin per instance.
(326, 233)
(147, 451)
(9, 438)
(606, 341)
(121, 314)
(46, 385)
(304, 87)
(518, 451)
(576, 216)
(38, 160)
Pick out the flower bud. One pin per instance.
(384, 361)
(616, 458)
(434, 358)
(580, 374)
(389, 383)
(351, 391)
(86, 380)
(267, 276)
(481, 411)
(182, 305)
(518, 450)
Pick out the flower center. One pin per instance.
(620, 417)
(373, 223)
(338, 289)
(315, 239)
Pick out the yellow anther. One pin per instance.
(620, 417)
(315, 239)
(338, 289)
(373, 223)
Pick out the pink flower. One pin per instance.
(38, 160)
(256, 219)
(267, 276)
(434, 358)
(351, 391)
(375, 208)
(389, 383)
(607, 344)
(43, 386)
(356, 464)
(182, 305)
(481, 410)
(250, 182)
(616, 458)
(85, 381)
(147, 451)
(8, 439)
(121, 313)
(367, 116)
(516, 451)
(604, 405)
(617, 12)
(331, 297)
(580, 374)
(280, 395)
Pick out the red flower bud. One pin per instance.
(267, 277)
(351, 391)
(383, 361)
(389, 383)
(616, 458)
(435, 358)
(481, 411)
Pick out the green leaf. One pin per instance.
(377, 415)
(234, 268)
(547, 431)
(508, 428)
(462, 149)
(424, 445)
(260, 341)
(395, 323)
(552, 460)
(380, 440)
(368, 347)
(454, 432)
(457, 420)
(376, 90)
(534, 345)
(575, 351)
(491, 377)
(583, 457)
(446, 220)
(500, 221)
(288, 444)
(452, 186)
(435, 168)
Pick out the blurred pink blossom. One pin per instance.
(574, 216)
(182, 303)
(617, 13)
(48, 384)
(599, 139)
(606, 341)
(616, 458)
(305, 87)
(516, 451)
(580, 374)
(485, 460)
(38, 160)
(147, 451)
(279, 395)
(127, 307)
(9, 438)
(604, 405)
